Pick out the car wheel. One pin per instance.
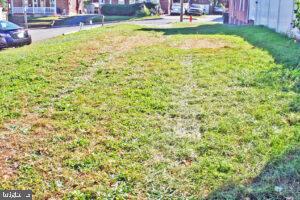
(29, 42)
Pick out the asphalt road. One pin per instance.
(164, 21)
(43, 34)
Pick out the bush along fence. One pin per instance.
(297, 20)
(138, 9)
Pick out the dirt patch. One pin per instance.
(140, 41)
(16, 137)
(199, 43)
(7, 151)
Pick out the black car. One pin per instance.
(12, 35)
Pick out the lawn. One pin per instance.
(114, 18)
(42, 22)
(190, 112)
(47, 22)
(96, 19)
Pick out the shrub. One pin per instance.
(3, 3)
(297, 13)
(125, 10)
(153, 8)
(143, 12)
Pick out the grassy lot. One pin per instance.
(122, 18)
(188, 113)
(98, 19)
(42, 22)
(46, 22)
(112, 18)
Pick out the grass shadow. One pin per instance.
(280, 179)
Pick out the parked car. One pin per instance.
(219, 10)
(175, 9)
(195, 9)
(176, 6)
(12, 35)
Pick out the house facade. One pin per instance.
(46, 7)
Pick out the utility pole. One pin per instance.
(181, 10)
(25, 4)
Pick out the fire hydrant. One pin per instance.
(191, 18)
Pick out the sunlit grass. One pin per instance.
(139, 113)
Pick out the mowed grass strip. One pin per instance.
(154, 116)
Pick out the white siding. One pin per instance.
(252, 10)
(275, 14)
(286, 16)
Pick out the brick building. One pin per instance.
(238, 11)
(166, 5)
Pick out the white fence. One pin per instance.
(34, 10)
(275, 14)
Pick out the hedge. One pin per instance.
(124, 10)
(297, 14)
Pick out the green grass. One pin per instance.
(98, 19)
(122, 18)
(43, 18)
(42, 22)
(185, 113)
(46, 22)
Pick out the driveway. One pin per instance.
(163, 21)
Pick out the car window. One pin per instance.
(4, 25)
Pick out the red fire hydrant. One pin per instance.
(191, 18)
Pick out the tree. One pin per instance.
(297, 14)
(3, 3)
(214, 2)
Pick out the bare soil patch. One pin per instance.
(200, 43)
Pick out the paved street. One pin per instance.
(43, 34)
(164, 21)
